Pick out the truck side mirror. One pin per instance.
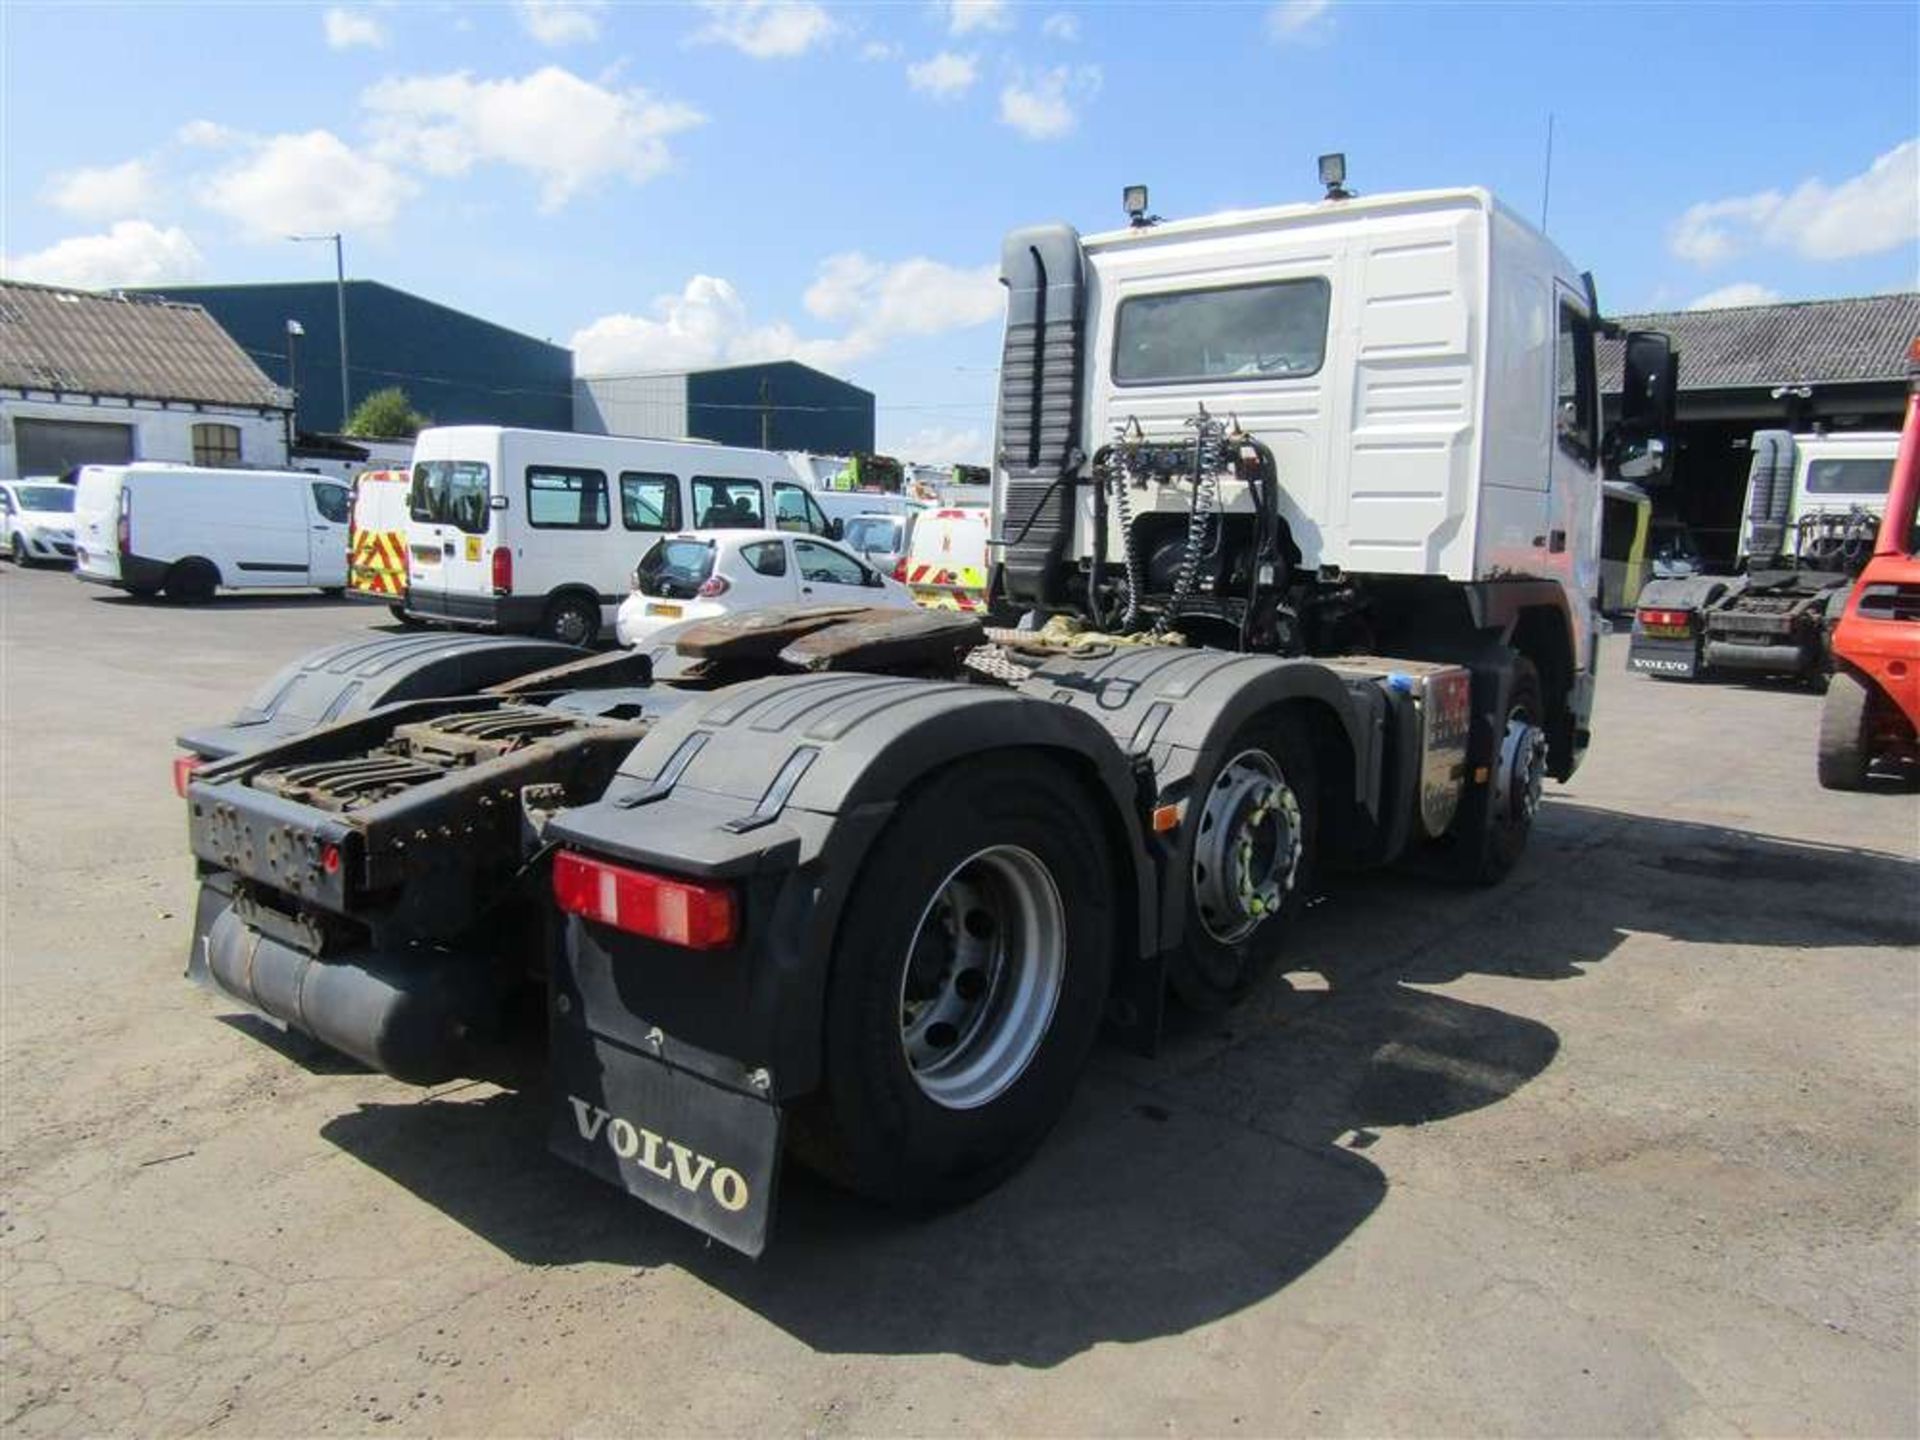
(1641, 444)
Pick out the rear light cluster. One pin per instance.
(123, 527)
(502, 570)
(1679, 618)
(679, 912)
(713, 585)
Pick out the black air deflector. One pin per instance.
(1040, 387)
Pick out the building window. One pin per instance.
(216, 445)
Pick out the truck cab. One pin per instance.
(1406, 451)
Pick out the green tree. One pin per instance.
(387, 415)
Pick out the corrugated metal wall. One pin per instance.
(781, 405)
(456, 368)
(653, 406)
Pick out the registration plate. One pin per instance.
(1666, 632)
(672, 612)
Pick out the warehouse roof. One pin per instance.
(1805, 342)
(130, 346)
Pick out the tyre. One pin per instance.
(399, 612)
(192, 581)
(17, 550)
(969, 976)
(1495, 819)
(572, 620)
(1846, 725)
(333, 592)
(1255, 835)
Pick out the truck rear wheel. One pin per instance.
(1255, 823)
(1846, 728)
(969, 977)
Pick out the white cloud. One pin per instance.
(1061, 25)
(106, 192)
(567, 131)
(946, 76)
(1743, 292)
(349, 28)
(879, 50)
(1291, 20)
(206, 135)
(764, 29)
(966, 16)
(1042, 106)
(1865, 214)
(560, 22)
(707, 322)
(132, 252)
(314, 181)
(940, 445)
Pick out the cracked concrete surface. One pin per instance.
(1625, 1146)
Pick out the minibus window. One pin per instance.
(566, 499)
(724, 504)
(451, 492)
(649, 502)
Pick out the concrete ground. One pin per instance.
(1625, 1146)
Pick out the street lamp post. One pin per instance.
(340, 308)
(294, 331)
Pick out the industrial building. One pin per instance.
(780, 405)
(1805, 365)
(103, 379)
(456, 368)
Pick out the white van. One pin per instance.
(538, 531)
(185, 530)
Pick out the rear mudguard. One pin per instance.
(347, 680)
(780, 786)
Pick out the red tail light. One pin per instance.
(680, 912)
(713, 585)
(502, 570)
(1682, 618)
(123, 528)
(183, 768)
(900, 569)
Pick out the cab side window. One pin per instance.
(794, 509)
(331, 501)
(1575, 410)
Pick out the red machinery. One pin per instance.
(1872, 709)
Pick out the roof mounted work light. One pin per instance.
(1134, 200)
(1333, 175)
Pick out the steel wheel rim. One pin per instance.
(1522, 772)
(982, 977)
(1246, 854)
(570, 626)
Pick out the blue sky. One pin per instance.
(664, 185)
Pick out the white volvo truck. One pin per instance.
(1323, 480)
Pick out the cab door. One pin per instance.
(1569, 548)
(796, 511)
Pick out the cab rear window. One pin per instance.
(1272, 331)
(1849, 477)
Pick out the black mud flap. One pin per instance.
(701, 1150)
(1649, 655)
